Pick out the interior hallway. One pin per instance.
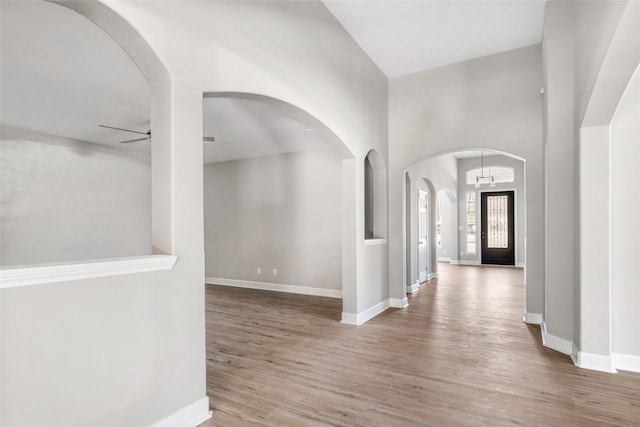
(458, 355)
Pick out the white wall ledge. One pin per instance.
(39, 274)
(371, 242)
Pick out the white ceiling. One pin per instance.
(62, 75)
(404, 37)
(246, 128)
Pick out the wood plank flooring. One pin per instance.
(458, 355)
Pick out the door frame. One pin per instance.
(515, 222)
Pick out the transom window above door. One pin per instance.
(495, 174)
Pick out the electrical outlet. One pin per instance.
(275, 271)
(259, 270)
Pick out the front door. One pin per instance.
(497, 234)
(422, 236)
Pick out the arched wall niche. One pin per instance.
(375, 197)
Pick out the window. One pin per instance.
(471, 222)
(490, 174)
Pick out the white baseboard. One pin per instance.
(368, 314)
(413, 288)
(555, 343)
(466, 262)
(277, 287)
(349, 318)
(399, 302)
(532, 318)
(189, 416)
(596, 362)
(626, 362)
(434, 276)
(444, 259)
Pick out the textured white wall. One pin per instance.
(271, 212)
(65, 200)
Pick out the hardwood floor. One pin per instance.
(458, 355)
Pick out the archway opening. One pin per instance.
(273, 199)
(456, 227)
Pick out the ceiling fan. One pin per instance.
(147, 135)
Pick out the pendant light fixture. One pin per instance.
(484, 179)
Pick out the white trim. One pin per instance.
(574, 354)
(277, 287)
(38, 274)
(596, 362)
(190, 416)
(413, 288)
(444, 259)
(349, 318)
(532, 318)
(520, 265)
(398, 302)
(368, 314)
(555, 343)
(467, 262)
(626, 362)
(434, 276)
(372, 242)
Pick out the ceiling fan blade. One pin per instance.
(208, 139)
(134, 140)
(126, 130)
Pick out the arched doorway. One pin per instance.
(291, 196)
(445, 175)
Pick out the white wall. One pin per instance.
(142, 337)
(560, 173)
(518, 185)
(491, 102)
(625, 232)
(591, 50)
(65, 200)
(275, 212)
